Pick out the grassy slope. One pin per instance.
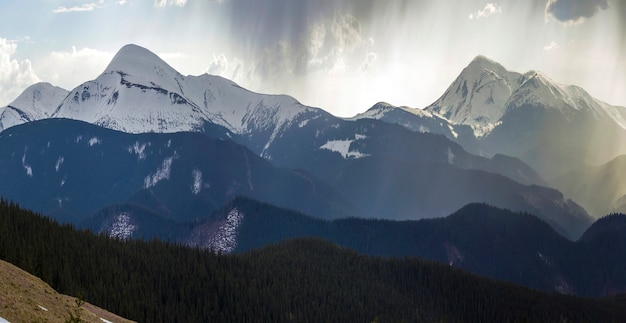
(23, 298)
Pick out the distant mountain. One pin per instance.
(478, 97)
(489, 110)
(398, 190)
(485, 240)
(557, 129)
(551, 126)
(414, 119)
(70, 170)
(140, 93)
(37, 102)
(600, 189)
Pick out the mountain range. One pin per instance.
(559, 130)
(359, 167)
(454, 152)
(496, 177)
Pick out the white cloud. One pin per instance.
(67, 69)
(551, 46)
(15, 75)
(165, 3)
(84, 7)
(369, 62)
(488, 10)
(218, 66)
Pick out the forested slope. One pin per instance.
(300, 280)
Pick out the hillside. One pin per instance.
(300, 280)
(26, 298)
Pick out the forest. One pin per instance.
(300, 280)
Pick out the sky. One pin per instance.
(340, 55)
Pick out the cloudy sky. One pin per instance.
(340, 55)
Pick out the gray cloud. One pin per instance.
(286, 38)
(574, 11)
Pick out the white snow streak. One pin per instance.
(59, 163)
(197, 182)
(94, 141)
(450, 156)
(27, 168)
(162, 173)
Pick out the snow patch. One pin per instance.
(343, 148)
(424, 129)
(450, 156)
(162, 173)
(59, 163)
(303, 123)
(225, 239)
(359, 136)
(94, 141)
(453, 132)
(140, 149)
(3, 320)
(42, 308)
(220, 236)
(121, 228)
(196, 187)
(78, 139)
(27, 168)
(105, 321)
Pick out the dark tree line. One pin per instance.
(304, 280)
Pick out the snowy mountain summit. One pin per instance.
(37, 102)
(485, 92)
(478, 96)
(138, 92)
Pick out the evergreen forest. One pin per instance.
(301, 280)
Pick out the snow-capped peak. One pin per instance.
(478, 95)
(380, 109)
(139, 92)
(141, 66)
(38, 101)
(485, 91)
(538, 89)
